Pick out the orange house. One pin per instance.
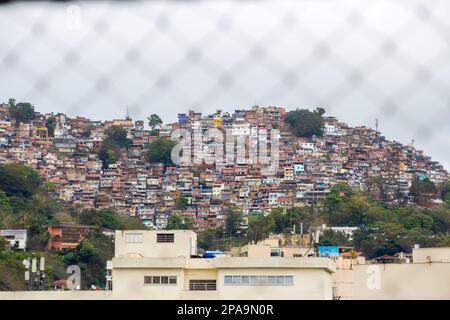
(67, 235)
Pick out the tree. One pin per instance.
(423, 191)
(18, 180)
(116, 139)
(444, 190)
(118, 136)
(4, 244)
(259, 227)
(280, 220)
(91, 256)
(154, 121)
(109, 153)
(207, 238)
(50, 124)
(21, 112)
(160, 150)
(177, 223)
(418, 220)
(181, 203)
(305, 123)
(131, 223)
(379, 186)
(233, 219)
(105, 218)
(332, 238)
(87, 130)
(12, 102)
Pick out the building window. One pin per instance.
(172, 280)
(157, 280)
(160, 280)
(147, 280)
(275, 252)
(253, 280)
(202, 285)
(134, 238)
(165, 237)
(259, 280)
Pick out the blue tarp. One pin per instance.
(329, 251)
(212, 253)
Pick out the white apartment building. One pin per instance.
(15, 237)
(165, 265)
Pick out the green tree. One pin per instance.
(334, 238)
(280, 219)
(160, 150)
(208, 238)
(87, 130)
(444, 190)
(116, 139)
(21, 112)
(105, 218)
(423, 191)
(91, 256)
(18, 180)
(305, 123)
(118, 136)
(175, 222)
(4, 244)
(418, 220)
(154, 121)
(181, 203)
(259, 227)
(233, 220)
(50, 124)
(109, 153)
(131, 223)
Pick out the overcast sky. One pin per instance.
(359, 59)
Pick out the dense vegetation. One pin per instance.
(160, 150)
(305, 123)
(116, 140)
(20, 112)
(27, 202)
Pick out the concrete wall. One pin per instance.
(56, 295)
(129, 284)
(395, 281)
(308, 284)
(184, 245)
(422, 255)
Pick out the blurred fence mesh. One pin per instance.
(359, 59)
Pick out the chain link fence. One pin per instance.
(359, 59)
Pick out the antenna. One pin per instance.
(376, 124)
